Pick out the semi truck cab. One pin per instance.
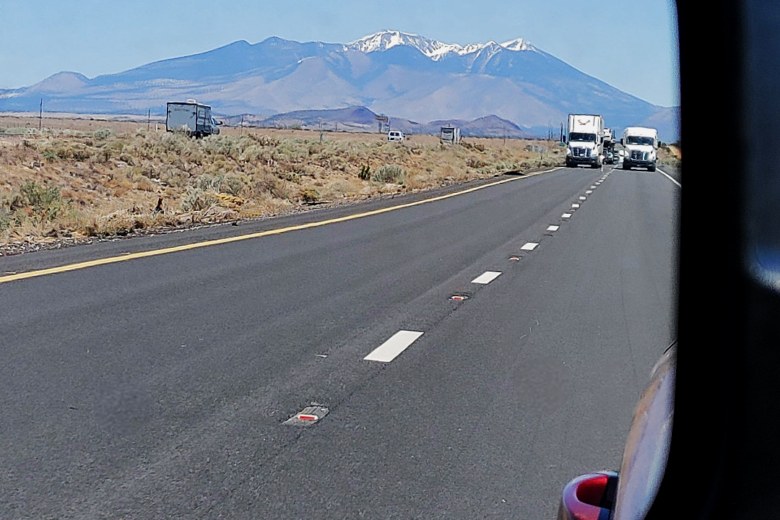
(586, 141)
(641, 147)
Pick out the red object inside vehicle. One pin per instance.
(591, 491)
(584, 496)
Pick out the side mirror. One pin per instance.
(590, 496)
(564, 139)
(621, 142)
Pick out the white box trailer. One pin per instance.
(450, 135)
(191, 117)
(586, 140)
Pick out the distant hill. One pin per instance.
(361, 119)
(410, 76)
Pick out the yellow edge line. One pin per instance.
(278, 231)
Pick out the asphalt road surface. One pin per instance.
(159, 387)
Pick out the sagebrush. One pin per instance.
(102, 182)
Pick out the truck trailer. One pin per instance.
(641, 146)
(586, 140)
(191, 117)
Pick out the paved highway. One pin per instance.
(159, 387)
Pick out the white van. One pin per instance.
(395, 135)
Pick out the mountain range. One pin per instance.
(361, 119)
(410, 77)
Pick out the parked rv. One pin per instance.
(191, 117)
(450, 135)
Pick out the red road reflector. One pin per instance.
(459, 297)
(514, 258)
(308, 416)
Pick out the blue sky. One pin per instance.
(630, 45)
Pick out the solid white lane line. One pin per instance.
(530, 246)
(553, 228)
(390, 349)
(669, 177)
(566, 215)
(486, 277)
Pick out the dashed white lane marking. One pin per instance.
(588, 192)
(530, 246)
(486, 277)
(593, 187)
(575, 205)
(566, 215)
(390, 349)
(583, 198)
(553, 228)
(669, 177)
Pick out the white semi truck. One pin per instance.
(586, 140)
(191, 117)
(641, 147)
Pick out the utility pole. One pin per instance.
(241, 128)
(149, 120)
(40, 117)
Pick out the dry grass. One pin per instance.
(107, 179)
(670, 155)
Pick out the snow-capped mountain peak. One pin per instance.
(384, 40)
(518, 44)
(434, 49)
